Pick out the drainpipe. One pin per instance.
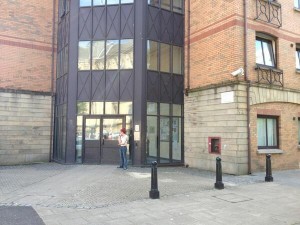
(52, 81)
(246, 78)
(188, 48)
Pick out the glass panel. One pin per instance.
(126, 108)
(268, 54)
(66, 60)
(152, 50)
(297, 3)
(111, 108)
(112, 54)
(176, 139)
(153, 2)
(272, 132)
(151, 148)
(99, 2)
(79, 140)
(177, 60)
(259, 53)
(166, 4)
(164, 109)
(126, 54)
(126, 1)
(97, 108)
(98, 55)
(165, 57)
(111, 128)
(92, 129)
(176, 110)
(85, 3)
(112, 2)
(164, 140)
(261, 132)
(298, 59)
(177, 6)
(84, 55)
(83, 108)
(128, 123)
(151, 108)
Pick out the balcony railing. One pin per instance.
(269, 11)
(270, 76)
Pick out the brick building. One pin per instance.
(27, 69)
(242, 68)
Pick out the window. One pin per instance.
(297, 3)
(112, 54)
(152, 55)
(267, 136)
(298, 131)
(298, 58)
(264, 52)
(177, 60)
(99, 2)
(165, 51)
(84, 55)
(98, 55)
(178, 6)
(126, 54)
(166, 4)
(84, 3)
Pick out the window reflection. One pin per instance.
(166, 4)
(97, 108)
(112, 54)
(84, 54)
(98, 55)
(92, 129)
(83, 108)
(176, 139)
(153, 2)
(126, 54)
(165, 57)
(111, 108)
(152, 54)
(126, 108)
(264, 52)
(112, 2)
(177, 60)
(298, 58)
(177, 6)
(85, 3)
(99, 2)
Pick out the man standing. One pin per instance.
(123, 139)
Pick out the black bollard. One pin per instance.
(219, 184)
(154, 193)
(268, 177)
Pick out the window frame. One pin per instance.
(298, 131)
(277, 132)
(298, 56)
(271, 43)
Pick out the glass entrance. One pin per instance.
(100, 139)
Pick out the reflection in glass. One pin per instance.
(264, 52)
(164, 139)
(166, 4)
(79, 140)
(92, 129)
(85, 3)
(152, 51)
(177, 60)
(176, 110)
(259, 53)
(176, 139)
(99, 2)
(83, 108)
(126, 108)
(98, 55)
(126, 54)
(84, 55)
(128, 123)
(111, 107)
(165, 57)
(112, 2)
(164, 109)
(151, 108)
(111, 128)
(97, 108)
(112, 54)
(153, 2)
(126, 1)
(177, 6)
(151, 145)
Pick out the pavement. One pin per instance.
(55, 194)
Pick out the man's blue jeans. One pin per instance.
(123, 163)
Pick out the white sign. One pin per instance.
(227, 97)
(137, 128)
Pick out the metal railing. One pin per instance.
(269, 11)
(270, 76)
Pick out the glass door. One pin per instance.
(91, 140)
(110, 131)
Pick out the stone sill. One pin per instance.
(269, 151)
(297, 9)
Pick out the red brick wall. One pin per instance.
(26, 44)
(217, 41)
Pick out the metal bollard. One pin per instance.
(219, 184)
(268, 177)
(154, 193)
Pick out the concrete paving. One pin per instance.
(103, 194)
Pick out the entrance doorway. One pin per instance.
(100, 143)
